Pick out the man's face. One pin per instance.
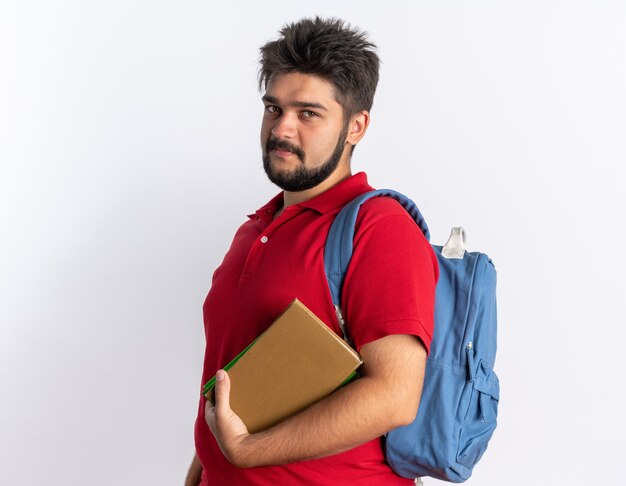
(303, 135)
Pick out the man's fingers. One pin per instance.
(228, 429)
(222, 392)
(209, 415)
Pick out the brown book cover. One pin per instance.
(297, 361)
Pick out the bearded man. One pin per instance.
(319, 80)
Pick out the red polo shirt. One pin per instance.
(389, 289)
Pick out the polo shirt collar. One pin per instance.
(339, 195)
(336, 197)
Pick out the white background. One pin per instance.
(129, 155)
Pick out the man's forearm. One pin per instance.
(347, 418)
(194, 475)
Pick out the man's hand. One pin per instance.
(194, 475)
(228, 429)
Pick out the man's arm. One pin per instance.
(195, 473)
(386, 396)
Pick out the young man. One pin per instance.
(319, 80)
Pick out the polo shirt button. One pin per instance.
(264, 239)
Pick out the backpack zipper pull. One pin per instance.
(470, 360)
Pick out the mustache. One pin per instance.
(276, 144)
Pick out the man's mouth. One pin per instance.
(283, 153)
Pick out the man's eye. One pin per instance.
(272, 109)
(308, 114)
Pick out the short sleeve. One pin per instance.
(389, 287)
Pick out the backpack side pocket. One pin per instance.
(481, 418)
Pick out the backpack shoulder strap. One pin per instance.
(339, 243)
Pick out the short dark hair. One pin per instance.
(330, 49)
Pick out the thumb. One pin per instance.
(222, 392)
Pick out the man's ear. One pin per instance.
(358, 126)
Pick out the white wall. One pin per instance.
(129, 154)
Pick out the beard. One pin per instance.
(302, 178)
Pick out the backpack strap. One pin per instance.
(340, 240)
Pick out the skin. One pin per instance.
(194, 475)
(302, 109)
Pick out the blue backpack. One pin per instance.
(459, 404)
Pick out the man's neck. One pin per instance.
(342, 172)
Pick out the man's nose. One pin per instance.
(284, 127)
